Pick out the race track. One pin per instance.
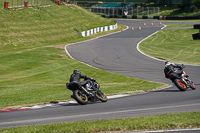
(117, 53)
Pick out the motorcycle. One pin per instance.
(182, 81)
(89, 92)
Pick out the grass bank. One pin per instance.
(176, 45)
(159, 122)
(176, 12)
(179, 25)
(34, 65)
(32, 27)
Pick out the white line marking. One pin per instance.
(66, 103)
(145, 39)
(172, 130)
(103, 113)
(151, 56)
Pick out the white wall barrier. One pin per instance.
(99, 29)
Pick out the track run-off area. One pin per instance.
(117, 53)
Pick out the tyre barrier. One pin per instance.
(98, 29)
(197, 35)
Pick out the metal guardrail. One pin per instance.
(143, 1)
(137, 11)
(24, 3)
(15, 4)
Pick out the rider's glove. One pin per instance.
(182, 67)
(92, 79)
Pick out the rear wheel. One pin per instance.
(102, 97)
(180, 85)
(80, 97)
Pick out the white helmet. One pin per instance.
(167, 63)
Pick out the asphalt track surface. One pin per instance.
(117, 53)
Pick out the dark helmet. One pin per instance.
(77, 71)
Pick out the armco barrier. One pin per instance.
(132, 16)
(181, 17)
(152, 17)
(98, 29)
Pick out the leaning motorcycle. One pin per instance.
(182, 82)
(89, 92)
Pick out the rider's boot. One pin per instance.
(72, 96)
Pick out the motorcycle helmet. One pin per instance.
(77, 71)
(167, 63)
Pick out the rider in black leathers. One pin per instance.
(170, 72)
(76, 76)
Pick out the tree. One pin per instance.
(196, 4)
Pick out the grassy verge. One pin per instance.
(179, 25)
(159, 122)
(173, 44)
(32, 27)
(34, 65)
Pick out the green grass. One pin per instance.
(35, 68)
(178, 26)
(173, 45)
(159, 122)
(46, 26)
(34, 65)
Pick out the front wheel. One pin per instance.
(102, 97)
(192, 86)
(180, 85)
(80, 97)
